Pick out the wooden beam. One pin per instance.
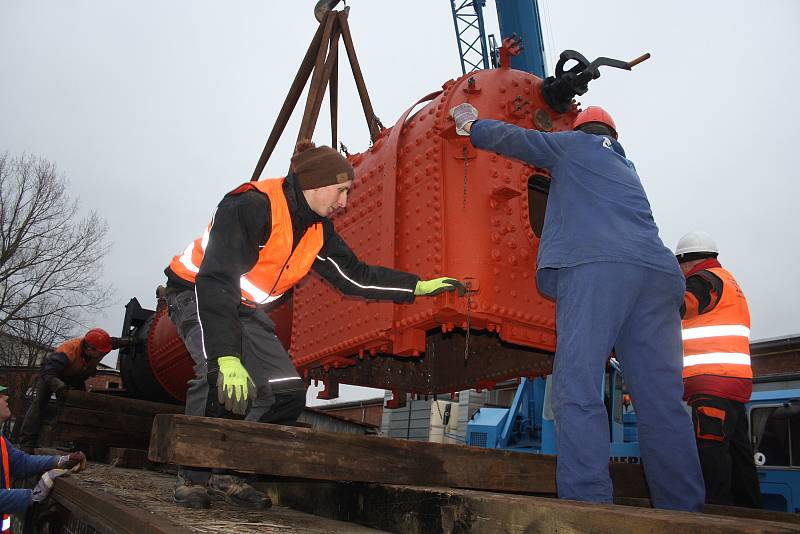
(109, 403)
(417, 510)
(717, 509)
(129, 458)
(299, 452)
(100, 420)
(99, 437)
(107, 514)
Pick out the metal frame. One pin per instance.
(521, 17)
(470, 34)
(776, 404)
(321, 64)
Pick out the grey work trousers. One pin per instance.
(280, 392)
(32, 423)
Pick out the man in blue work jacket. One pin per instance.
(15, 464)
(616, 286)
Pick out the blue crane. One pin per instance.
(479, 51)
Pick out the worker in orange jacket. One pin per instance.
(65, 368)
(717, 376)
(264, 238)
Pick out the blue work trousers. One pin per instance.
(635, 310)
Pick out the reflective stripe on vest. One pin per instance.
(6, 482)
(278, 267)
(702, 332)
(718, 342)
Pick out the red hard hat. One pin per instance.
(595, 114)
(98, 339)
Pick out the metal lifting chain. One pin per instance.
(464, 153)
(466, 336)
(320, 64)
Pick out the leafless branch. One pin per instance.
(51, 258)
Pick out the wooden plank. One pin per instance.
(109, 403)
(299, 452)
(417, 510)
(133, 424)
(95, 436)
(129, 458)
(107, 514)
(731, 511)
(150, 493)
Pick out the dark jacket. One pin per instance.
(242, 224)
(68, 365)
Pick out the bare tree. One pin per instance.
(51, 257)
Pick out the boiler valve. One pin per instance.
(559, 90)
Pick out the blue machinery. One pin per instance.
(477, 51)
(774, 418)
(528, 426)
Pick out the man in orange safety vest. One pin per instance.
(717, 376)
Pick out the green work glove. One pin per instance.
(433, 287)
(234, 385)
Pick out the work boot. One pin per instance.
(235, 490)
(191, 495)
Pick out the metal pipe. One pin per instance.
(632, 63)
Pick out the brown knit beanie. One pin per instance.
(320, 166)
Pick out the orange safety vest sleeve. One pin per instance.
(716, 342)
(691, 306)
(244, 256)
(6, 525)
(703, 291)
(242, 224)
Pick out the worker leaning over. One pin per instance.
(65, 368)
(717, 378)
(16, 464)
(616, 286)
(263, 239)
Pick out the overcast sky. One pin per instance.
(154, 109)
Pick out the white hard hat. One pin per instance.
(696, 242)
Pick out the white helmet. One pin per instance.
(696, 242)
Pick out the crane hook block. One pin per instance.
(322, 7)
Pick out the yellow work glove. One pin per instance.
(234, 385)
(433, 287)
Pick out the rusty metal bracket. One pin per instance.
(320, 63)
